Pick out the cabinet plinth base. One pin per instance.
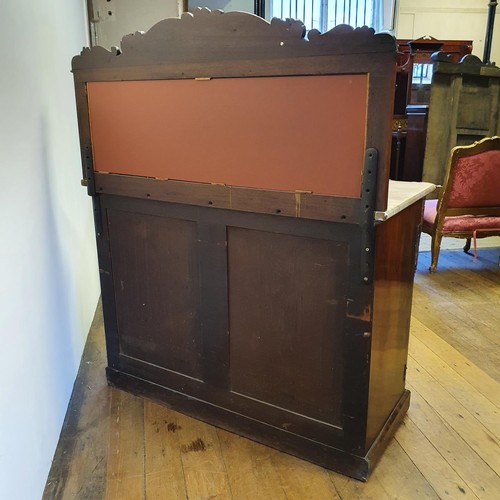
(338, 460)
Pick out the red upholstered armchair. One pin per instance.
(469, 204)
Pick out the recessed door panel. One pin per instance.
(156, 282)
(287, 310)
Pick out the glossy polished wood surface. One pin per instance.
(396, 246)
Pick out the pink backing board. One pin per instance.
(297, 133)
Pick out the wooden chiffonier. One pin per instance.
(237, 170)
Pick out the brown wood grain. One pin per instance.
(282, 203)
(285, 319)
(456, 302)
(422, 460)
(236, 288)
(125, 472)
(396, 247)
(205, 472)
(239, 37)
(246, 46)
(163, 470)
(157, 323)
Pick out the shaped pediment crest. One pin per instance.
(214, 35)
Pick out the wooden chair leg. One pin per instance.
(467, 245)
(435, 248)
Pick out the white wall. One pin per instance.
(448, 20)
(112, 19)
(225, 5)
(48, 269)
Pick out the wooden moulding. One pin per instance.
(248, 46)
(297, 204)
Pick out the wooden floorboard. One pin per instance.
(79, 466)
(163, 469)
(116, 446)
(460, 304)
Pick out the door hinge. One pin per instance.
(368, 197)
(88, 170)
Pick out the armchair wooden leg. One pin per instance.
(435, 248)
(467, 245)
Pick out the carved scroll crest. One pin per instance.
(239, 36)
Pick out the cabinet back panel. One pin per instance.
(156, 283)
(287, 311)
(297, 133)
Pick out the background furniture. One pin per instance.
(469, 204)
(236, 170)
(463, 109)
(411, 102)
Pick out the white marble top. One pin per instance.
(402, 194)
